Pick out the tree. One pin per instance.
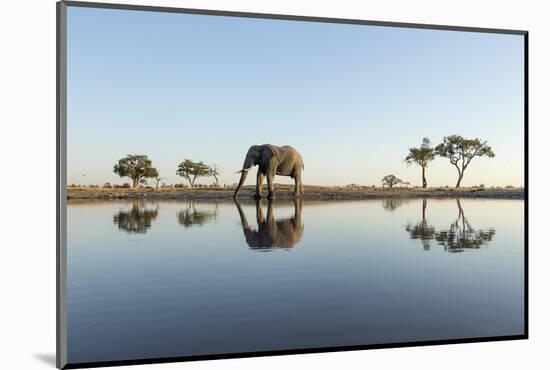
(158, 179)
(191, 170)
(392, 180)
(137, 167)
(214, 171)
(191, 216)
(137, 220)
(421, 156)
(461, 235)
(461, 151)
(422, 230)
(392, 204)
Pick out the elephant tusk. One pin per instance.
(241, 171)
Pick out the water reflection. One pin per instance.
(459, 237)
(421, 230)
(193, 216)
(272, 233)
(392, 204)
(137, 220)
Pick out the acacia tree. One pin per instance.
(392, 180)
(158, 179)
(191, 170)
(214, 171)
(137, 220)
(137, 167)
(461, 151)
(421, 156)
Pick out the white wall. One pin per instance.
(27, 82)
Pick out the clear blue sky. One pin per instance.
(352, 99)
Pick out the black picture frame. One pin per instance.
(61, 195)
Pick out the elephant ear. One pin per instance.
(268, 153)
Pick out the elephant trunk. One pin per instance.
(244, 173)
(244, 221)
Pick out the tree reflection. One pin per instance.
(272, 233)
(193, 216)
(421, 230)
(137, 220)
(392, 204)
(461, 235)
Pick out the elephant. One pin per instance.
(272, 160)
(272, 233)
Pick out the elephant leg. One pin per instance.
(298, 184)
(298, 206)
(270, 178)
(270, 217)
(259, 213)
(259, 183)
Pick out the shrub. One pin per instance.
(107, 185)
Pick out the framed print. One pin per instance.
(237, 184)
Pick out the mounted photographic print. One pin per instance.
(236, 184)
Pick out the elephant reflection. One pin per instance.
(422, 230)
(459, 237)
(137, 220)
(273, 233)
(193, 216)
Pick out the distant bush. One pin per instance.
(93, 186)
(126, 185)
(107, 185)
(391, 180)
(358, 186)
(509, 186)
(180, 186)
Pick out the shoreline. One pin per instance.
(284, 193)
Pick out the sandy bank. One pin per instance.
(311, 193)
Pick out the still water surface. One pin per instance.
(162, 279)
